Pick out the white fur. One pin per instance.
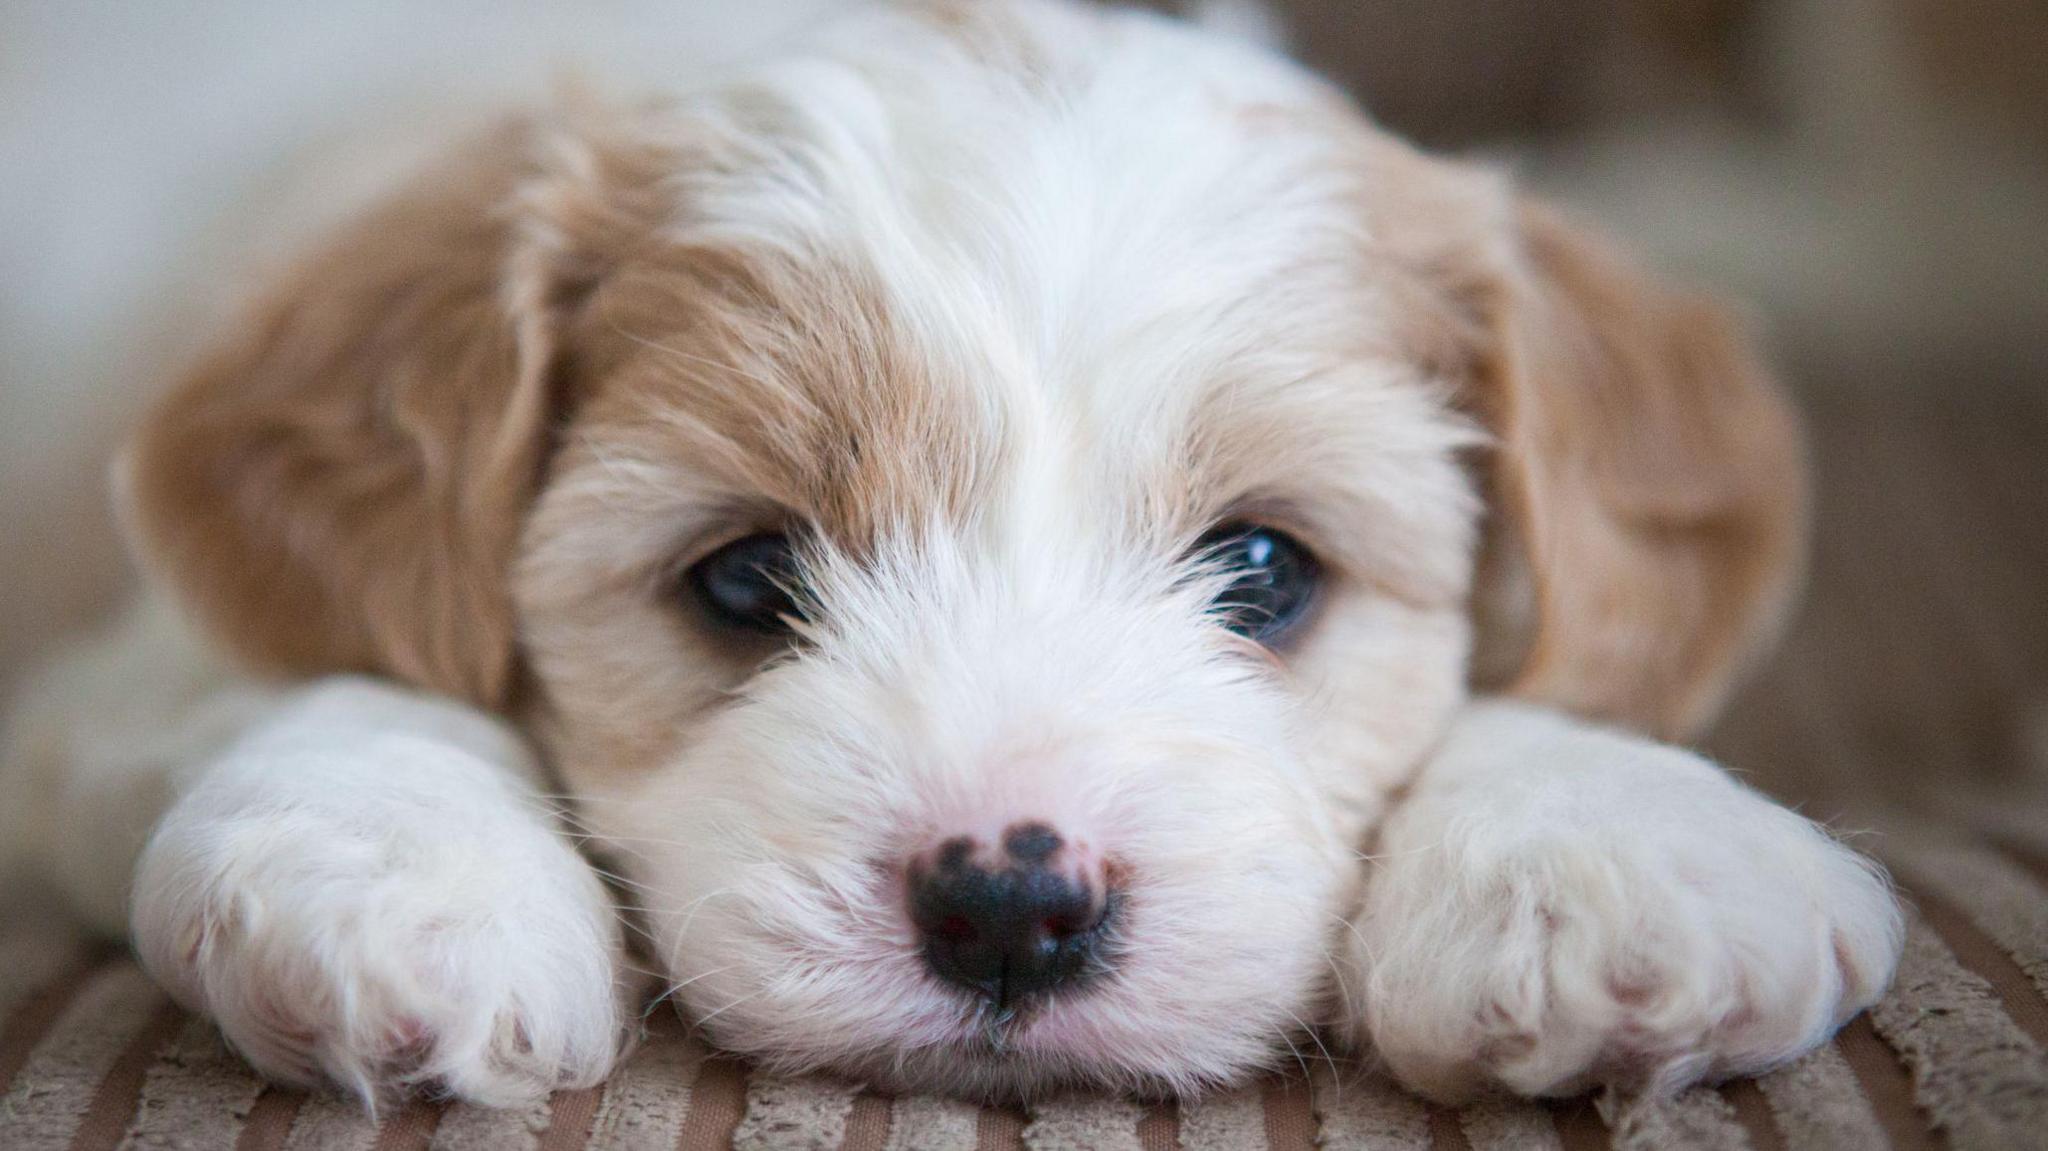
(1557, 906)
(366, 890)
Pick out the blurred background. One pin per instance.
(1869, 176)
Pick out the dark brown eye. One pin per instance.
(749, 584)
(1272, 578)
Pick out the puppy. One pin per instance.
(1032, 545)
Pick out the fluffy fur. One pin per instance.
(1001, 306)
(1628, 913)
(363, 891)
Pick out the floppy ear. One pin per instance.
(1647, 490)
(340, 486)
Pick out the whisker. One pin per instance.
(1382, 856)
(675, 988)
(1317, 1040)
(1296, 1051)
(1371, 957)
(703, 1019)
(1337, 973)
(621, 880)
(689, 913)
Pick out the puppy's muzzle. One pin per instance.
(1027, 917)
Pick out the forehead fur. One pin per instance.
(1022, 267)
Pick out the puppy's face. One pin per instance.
(981, 516)
(937, 492)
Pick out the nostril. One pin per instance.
(1061, 927)
(1031, 842)
(955, 928)
(954, 852)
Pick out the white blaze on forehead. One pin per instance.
(1083, 236)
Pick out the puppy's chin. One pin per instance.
(1182, 1009)
(1043, 1052)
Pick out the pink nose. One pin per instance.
(1013, 920)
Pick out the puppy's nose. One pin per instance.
(1010, 920)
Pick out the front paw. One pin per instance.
(1623, 926)
(418, 930)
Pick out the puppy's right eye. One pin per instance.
(1272, 579)
(749, 584)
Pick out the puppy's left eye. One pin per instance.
(1272, 578)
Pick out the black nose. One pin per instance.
(1034, 921)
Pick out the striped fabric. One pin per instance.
(92, 1058)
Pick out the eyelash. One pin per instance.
(748, 584)
(1277, 584)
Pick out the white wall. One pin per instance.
(154, 154)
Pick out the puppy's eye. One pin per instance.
(1272, 578)
(749, 584)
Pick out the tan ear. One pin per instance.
(339, 487)
(1648, 491)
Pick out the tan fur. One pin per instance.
(834, 422)
(339, 487)
(1648, 487)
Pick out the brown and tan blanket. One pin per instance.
(93, 1058)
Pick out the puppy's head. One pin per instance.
(980, 515)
